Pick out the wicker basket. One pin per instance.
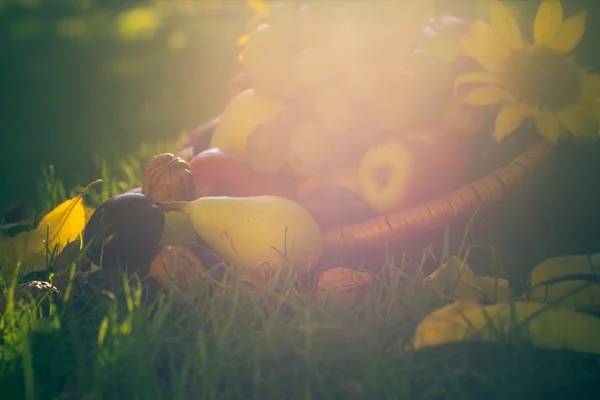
(405, 228)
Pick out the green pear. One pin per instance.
(253, 231)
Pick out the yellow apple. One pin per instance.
(384, 174)
(240, 117)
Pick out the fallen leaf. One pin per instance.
(456, 281)
(64, 223)
(552, 328)
(571, 282)
(28, 250)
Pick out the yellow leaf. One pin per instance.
(488, 95)
(505, 24)
(545, 328)
(573, 292)
(496, 289)
(456, 280)
(548, 21)
(570, 33)
(25, 251)
(510, 118)
(63, 224)
(548, 126)
(29, 249)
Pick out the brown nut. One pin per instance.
(345, 283)
(176, 265)
(168, 178)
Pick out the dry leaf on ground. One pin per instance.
(552, 328)
(57, 228)
(455, 280)
(569, 281)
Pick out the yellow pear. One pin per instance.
(240, 117)
(253, 231)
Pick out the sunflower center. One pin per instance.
(542, 77)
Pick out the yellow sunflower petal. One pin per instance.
(548, 21)
(548, 125)
(487, 95)
(481, 54)
(485, 35)
(506, 25)
(475, 77)
(591, 87)
(570, 33)
(511, 117)
(579, 119)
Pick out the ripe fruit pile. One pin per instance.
(341, 119)
(341, 114)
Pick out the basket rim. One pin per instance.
(432, 214)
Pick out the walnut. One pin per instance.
(168, 178)
(176, 265)
(344, 283)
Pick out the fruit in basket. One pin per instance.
(168, 178)
(343, 175)
(333, 109)
(384, 174)
(197, 140)
(314, 67)
(333, 206)
(360, 80)
(240, 117)
(390, 110)
(238, 84)
(400, 173)
(261, 44)
(273, 77)
(252, 231)
(310, 148)
(267, 145)
(218, 172)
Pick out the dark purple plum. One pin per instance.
(124, 231)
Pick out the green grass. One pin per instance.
(284, 343)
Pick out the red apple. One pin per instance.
(401, 173)
(217, 172)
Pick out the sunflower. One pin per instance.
(538, 80)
